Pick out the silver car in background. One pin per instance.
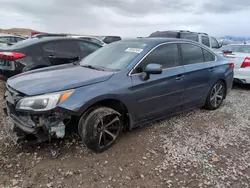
(240, 55)
(9, 39)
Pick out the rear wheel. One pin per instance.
(100, 128)
(216, 96)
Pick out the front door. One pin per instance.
(161, 93)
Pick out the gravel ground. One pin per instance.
(198, 148)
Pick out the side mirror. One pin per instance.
(153, 69)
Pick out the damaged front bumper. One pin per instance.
(41, 127)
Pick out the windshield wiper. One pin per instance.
(93, 67)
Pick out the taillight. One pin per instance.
(231, 65)
(11, 56)
(246, 63)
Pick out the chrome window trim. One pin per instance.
(176, 42)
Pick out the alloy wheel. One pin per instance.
(217, 94)
(108, 129)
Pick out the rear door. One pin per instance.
(61, 52)
(198, 73)
(161, 93)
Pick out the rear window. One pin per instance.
(190, 36)
(191, 54)
(166, 34)
(236, 48)
(208, 56)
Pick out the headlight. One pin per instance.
(43, 102)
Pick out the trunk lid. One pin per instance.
(236, 57)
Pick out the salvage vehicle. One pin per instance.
(123, 85)
(42, 52)
(240, 54)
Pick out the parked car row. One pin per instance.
(104, 89)
(9, 39)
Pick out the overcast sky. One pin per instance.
(128, 17)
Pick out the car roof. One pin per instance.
(89, 36)
(33, 41)
(158, 40)
(179, 31)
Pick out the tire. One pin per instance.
(216, 96)
(96, 129)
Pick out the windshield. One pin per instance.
(114, 56)
(236, 48)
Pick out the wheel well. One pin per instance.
(116, 105)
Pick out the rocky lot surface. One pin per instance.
(198, 148)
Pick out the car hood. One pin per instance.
(58, 78)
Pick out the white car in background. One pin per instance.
(240, 56)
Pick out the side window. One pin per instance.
(67, 47)
(191, 54)
(208, 56)
(205, 40)
(190, 36)
(96, 41)
(3, 40)
(49, 47)
(19, 39)
(12, 40)
(166, 55)
(108, 40)
(214, 43)
(86, 47)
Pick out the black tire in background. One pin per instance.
(216, 96)
(2, 90)
(100, 128)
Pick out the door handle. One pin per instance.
(211, 69)
(179, 77)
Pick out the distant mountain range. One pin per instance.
(17, 31)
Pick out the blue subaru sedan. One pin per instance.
(123, 85)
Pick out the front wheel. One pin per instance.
(100, 128)
(216, 96)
